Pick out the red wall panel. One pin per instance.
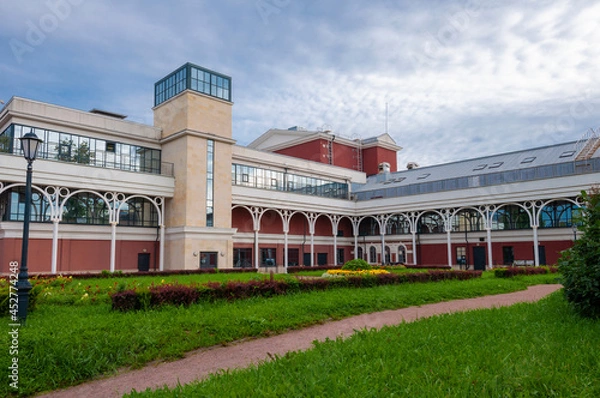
(242, 220)
(77, 255)
(313, 150)
(372, 157)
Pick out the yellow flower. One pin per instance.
(342, 272)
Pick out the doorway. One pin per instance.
(508, 255)
(479, 258)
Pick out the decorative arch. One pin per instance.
(434, 225)
(107, 198)
(555, 218)
(457, 225)
(368, 230)
(46, 193)
(516, 222)
(157, 202)
(397, 224)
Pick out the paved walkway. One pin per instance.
(201, 363)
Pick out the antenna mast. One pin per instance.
(386, 117)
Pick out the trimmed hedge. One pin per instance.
(234, 290)
(509, 272)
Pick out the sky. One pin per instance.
(448, 80)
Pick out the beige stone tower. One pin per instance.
(193, 108)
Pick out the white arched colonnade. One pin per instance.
(57, 197)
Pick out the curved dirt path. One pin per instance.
(199, 364)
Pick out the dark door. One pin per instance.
(542, 254)
(508, 255)
(321, 258)
(479, 258)
(144, 262)
(306, 259)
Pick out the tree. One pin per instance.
(5, 143)
(80, 154)
(580, 265)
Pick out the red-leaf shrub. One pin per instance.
(125, 301)
(314, 284)
(173, 295)
(235, 290)
(509, 272)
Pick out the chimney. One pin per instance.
(384, 168)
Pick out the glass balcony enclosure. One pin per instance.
(73, 148)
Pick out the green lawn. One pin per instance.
(527, 350)
(66, 344)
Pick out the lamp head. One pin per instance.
(30, 144)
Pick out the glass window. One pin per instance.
(95, 152)
(274, 180)
(268, 257)
(210, 151)
(372, 255)
(209, 259)
(138, 212)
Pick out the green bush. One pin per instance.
(580, 265)
(356, 265)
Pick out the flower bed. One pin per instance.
(342, 272)
(176, 294)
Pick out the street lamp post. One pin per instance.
(30, 144)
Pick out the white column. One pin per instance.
(414, 248)
(355, 246)
(285, 249)
(449, 244)
(536, 253)
(256, 249)
(312, 249)
(113, 245)
(161, 245)
(489, 246)
(382, 249)
(54, 246)
(161, 258)
(335, 259)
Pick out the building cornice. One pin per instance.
(106, 127)
(197, 134)
(205, 233)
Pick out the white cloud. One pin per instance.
(461, 78)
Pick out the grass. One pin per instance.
(64, 345)
(527, 350)
(63, 290)
(68, 291)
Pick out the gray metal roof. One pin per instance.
(524, 159)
